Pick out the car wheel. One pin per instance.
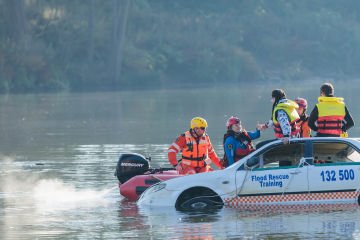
(199, 199)
(359, 199)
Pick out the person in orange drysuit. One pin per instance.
(196, 150)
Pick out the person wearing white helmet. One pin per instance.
(196, 149)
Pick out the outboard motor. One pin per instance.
(130, 165)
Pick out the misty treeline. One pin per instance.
(87, 45)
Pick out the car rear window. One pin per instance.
(335, 152)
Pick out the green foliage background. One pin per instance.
(77, 45)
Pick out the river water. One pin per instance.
(58, 154)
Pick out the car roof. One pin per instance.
(355, 141)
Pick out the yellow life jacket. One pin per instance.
(290, 108)
(331, 115)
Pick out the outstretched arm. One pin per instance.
(255, 134)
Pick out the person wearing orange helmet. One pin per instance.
(237, 141)
(302, 123)
(196, 149)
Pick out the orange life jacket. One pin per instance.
(290, 108)
(331, 115)
(303, 125)
(196, 151)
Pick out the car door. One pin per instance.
(335, 172)
(279, 175)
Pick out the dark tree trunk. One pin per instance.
(89, 74)
(15, 21)
(120, 25)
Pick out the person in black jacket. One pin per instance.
(330, 117)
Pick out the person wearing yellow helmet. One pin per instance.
(196, 149)
(198, 122)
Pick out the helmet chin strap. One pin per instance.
(198, 134)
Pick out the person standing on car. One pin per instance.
(330, 117)
(237, 141)
(196, 149)
(284, 116)
(302, 123)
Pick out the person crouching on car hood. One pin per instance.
(196, 149)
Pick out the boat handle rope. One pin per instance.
(242, 184)
(301, 164)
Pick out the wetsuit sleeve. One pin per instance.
(254, 135)
(177, 146)
(213, 156)
(229, 146)
(312, 119)
(284, 123)
(349, 122)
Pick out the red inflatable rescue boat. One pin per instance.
(135, 175)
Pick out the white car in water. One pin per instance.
(307, 171)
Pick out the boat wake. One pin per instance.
(53, 194)
(21, 189)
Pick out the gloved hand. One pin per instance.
(222, 163)
(343, 128)
(285, 140)
(178, 168)
(261, 127)
(209, 168)
(268, 124)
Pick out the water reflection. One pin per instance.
(321, 222)
(131, 224)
